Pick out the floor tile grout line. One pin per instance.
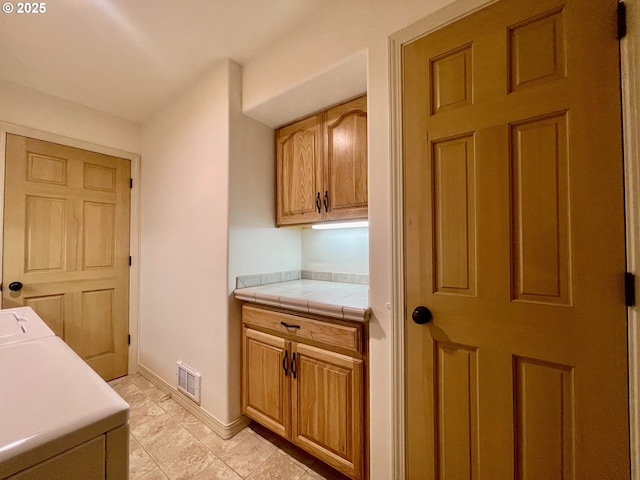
(277, 451)
(262, 463)
(189, 433)
(149, 454)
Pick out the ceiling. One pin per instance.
(126, 57)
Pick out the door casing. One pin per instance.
(134, 274)
(630, 56)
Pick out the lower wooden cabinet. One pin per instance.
(310, 392)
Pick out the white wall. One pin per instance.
(337, 251)
(29, 108)
(255, 245)
(184, 218)
(207, 208)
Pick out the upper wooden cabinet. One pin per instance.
(321, 164)
(300, 173)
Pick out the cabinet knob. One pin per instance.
(15, 286)
(318, 206)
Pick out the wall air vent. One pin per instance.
(189, 382)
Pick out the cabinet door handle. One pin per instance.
(318, 206)
(285, 363)
(325, 200)
(286, 325)
(293, 365)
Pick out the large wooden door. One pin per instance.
(514, 240)
(66, 240)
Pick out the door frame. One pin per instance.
(630, 68)
(134, 235)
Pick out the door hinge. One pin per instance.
(629, 289)
(622, 20)
(129, 339)
(131, 183)
(129, 260)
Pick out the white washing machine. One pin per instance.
(58, 419)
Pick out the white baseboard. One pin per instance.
(224, 431)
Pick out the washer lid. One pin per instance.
(20, 324)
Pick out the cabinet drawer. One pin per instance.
(329, 333)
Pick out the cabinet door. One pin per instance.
(345, 152)
(327, 407)
(265, 380)
(299, 172)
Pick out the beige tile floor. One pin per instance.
(168, 442)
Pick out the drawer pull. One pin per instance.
(285, 363)
(286, 325)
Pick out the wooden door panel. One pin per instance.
(99, 234)
(46, 169)
(540, 210)
(299, 171)
(101, 178)
(451, 79)
(51, 308)
(318, 409)
(265, 386)
(97, 320)
(454, 215)
(346, 160)
(327, 396)
(514, 239)
(103, 334)
(66, 224)
(456, 410)
(45, 242)
(537, 50)
(543, 420)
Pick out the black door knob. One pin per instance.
(15, 286)
(421, 315)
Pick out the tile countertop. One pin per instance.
(348, 301)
